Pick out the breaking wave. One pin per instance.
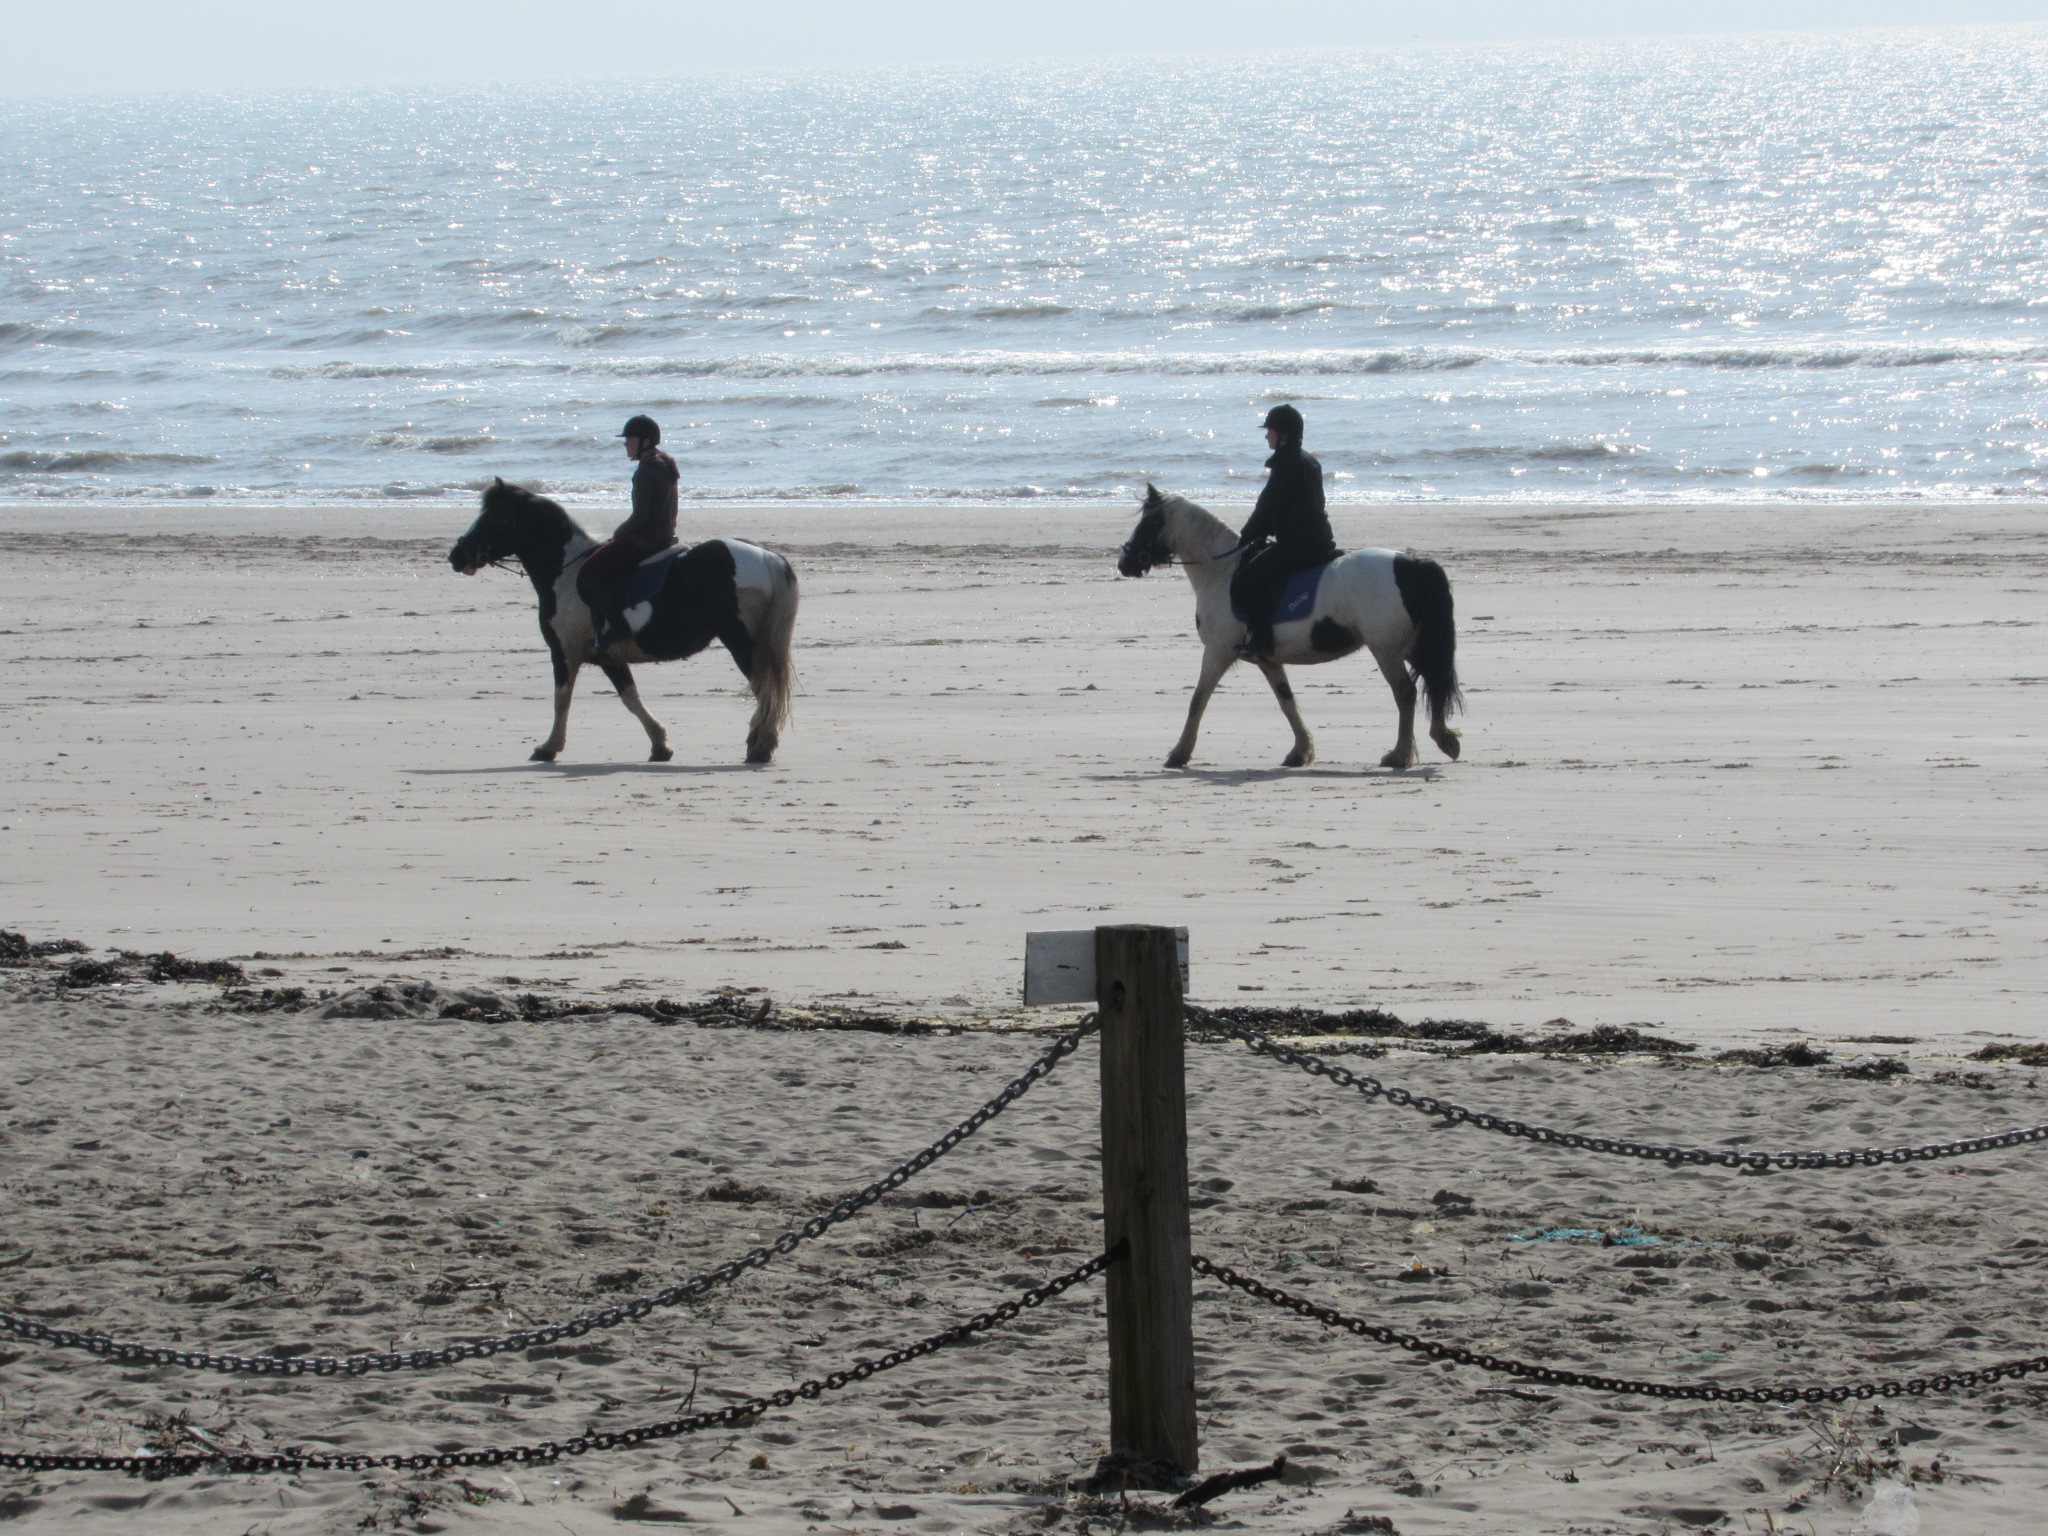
(96, 461)
(1331, 363)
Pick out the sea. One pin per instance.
(1797, 266)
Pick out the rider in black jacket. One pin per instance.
(1288, 532)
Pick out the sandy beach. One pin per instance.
(1739, 776)
(1729, 772)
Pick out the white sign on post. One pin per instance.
(1059, 967)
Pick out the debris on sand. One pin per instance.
(422, 1000)
(1800, 1053)
(1478, 1039)
(2033, 1055)
(1600, 1040)
(17, 950)
(733, 1192)
(1210, 1488)
(169, 967)
(93, 973)
(413, 1000)
(159, 968)
(1355, 1524)
(1618, 1237)
(1871, 1069)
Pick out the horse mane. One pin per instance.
(1195, 526)
(506, 496)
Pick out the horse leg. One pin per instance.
(1304, 751)
(1215, 662)
(1440, 732)
(565, 690)
(1445, 738)
(1403, 755)
(769, 684)
(629, 695)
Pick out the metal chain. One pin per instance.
(159, 1467)
(1674, 1157)
(610, 1317)
(1917, 1386)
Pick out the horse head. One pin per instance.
(498, 532)
(1146, 547)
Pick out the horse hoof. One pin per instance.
(541, 755)
(1297, 760)
(1178, 759)
(1398, 760)
(761, 757)
(1449, 745)
(661, 754)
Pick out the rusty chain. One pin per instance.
(128, 1353)
(1917, 1386)
(1674, 1157)
(178, 1464)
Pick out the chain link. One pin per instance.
(590, 1322)
(1674, 1157)
(1917, 1386)
(172, 1464)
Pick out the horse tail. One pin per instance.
(1433, 660)
(773, 674)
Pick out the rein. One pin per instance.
(504, 561)
(1234, 549)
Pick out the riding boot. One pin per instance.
(1258, 643)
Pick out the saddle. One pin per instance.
(1297, 598)
(645, 579)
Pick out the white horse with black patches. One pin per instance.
(681, 600)
(1398, 606)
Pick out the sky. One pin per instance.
(129, 47)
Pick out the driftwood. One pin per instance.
(1229, 1482)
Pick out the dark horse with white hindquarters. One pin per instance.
(1395, 605)
(681, 600)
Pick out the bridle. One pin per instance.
(504, 562)
(1168, 557)
(1237, 548)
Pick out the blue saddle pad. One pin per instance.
(1297, 598)
(641, 583)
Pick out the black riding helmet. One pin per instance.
(1285, 420)
(644, 428)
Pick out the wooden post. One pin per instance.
(1145, 1195)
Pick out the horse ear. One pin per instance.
(1152, 496)
(498, 481)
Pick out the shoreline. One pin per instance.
(1441, 527)
(1228, 496)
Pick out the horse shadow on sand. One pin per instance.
(1426, 774)
(587, 770)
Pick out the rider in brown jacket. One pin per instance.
(648, 531)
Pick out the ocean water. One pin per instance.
(1801, 265)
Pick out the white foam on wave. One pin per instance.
(1303, 363)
